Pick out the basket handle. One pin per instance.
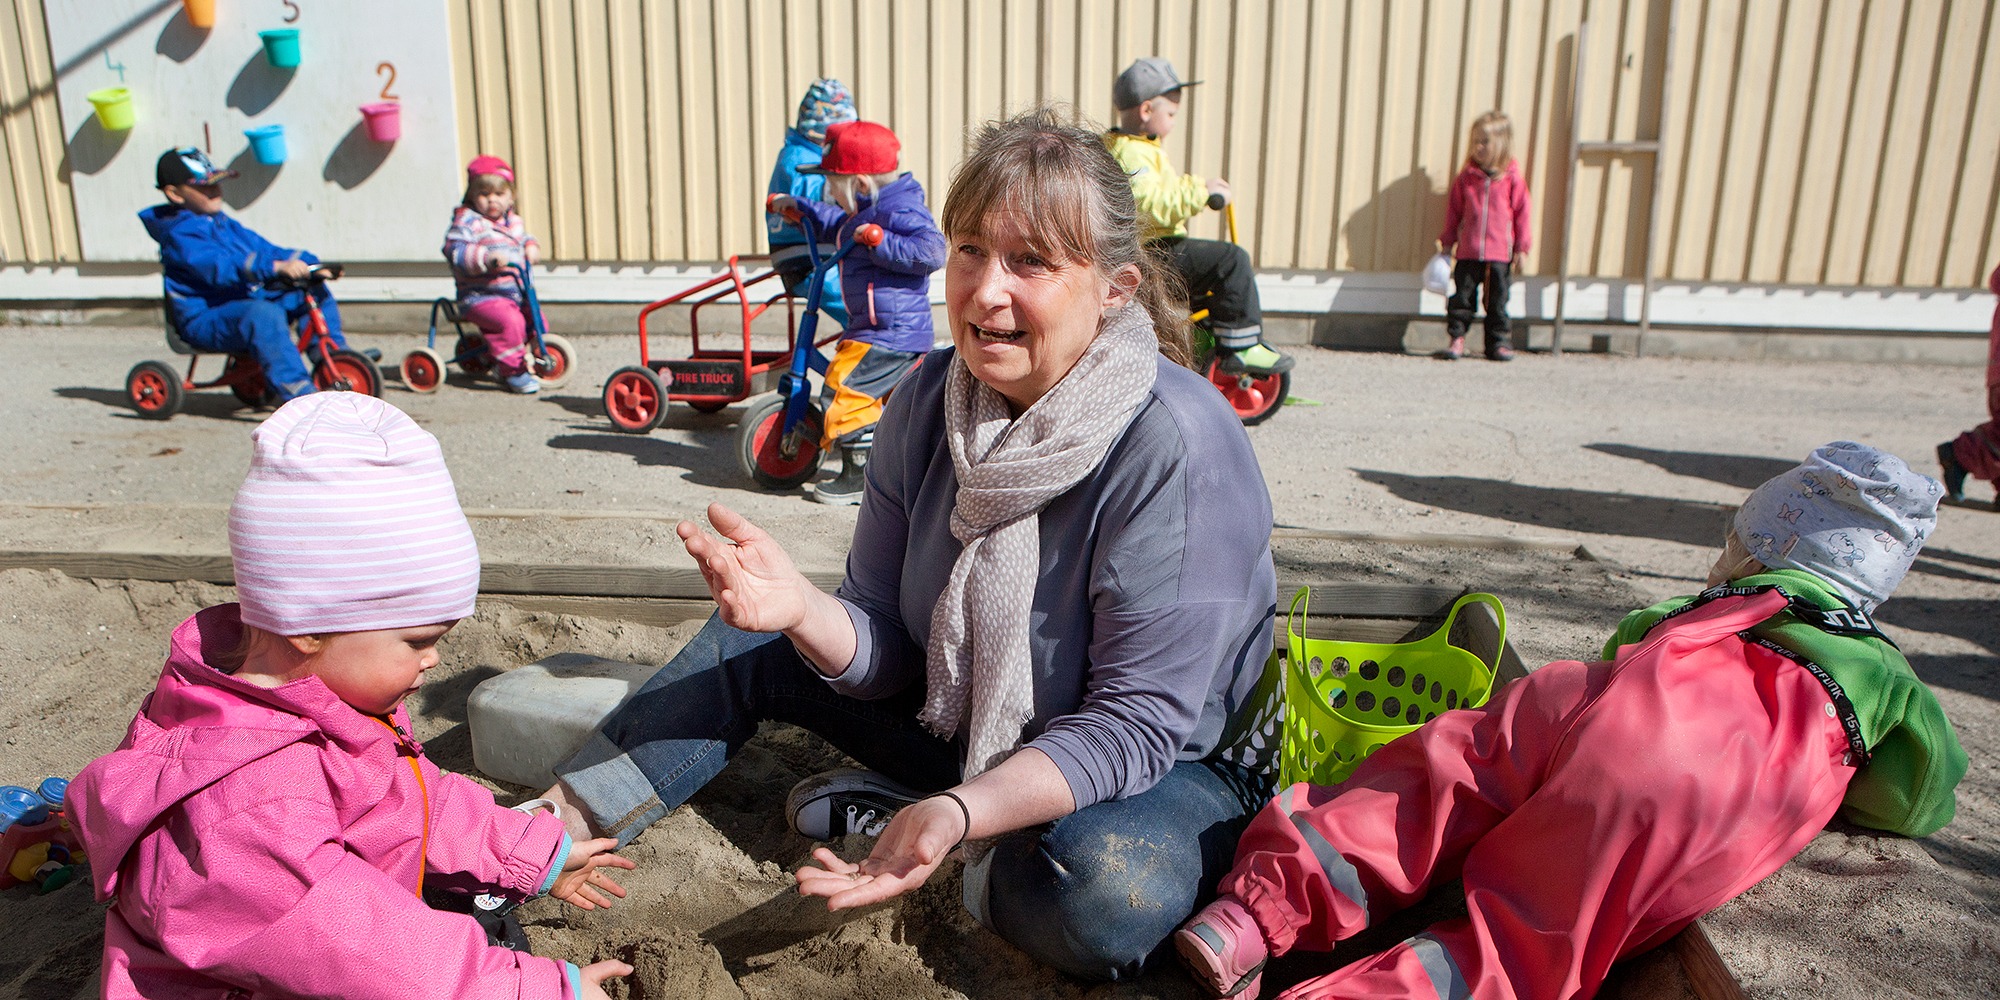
(1295, 639)
(1499, 615)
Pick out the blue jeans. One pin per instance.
(1093, 894)
(262, 328)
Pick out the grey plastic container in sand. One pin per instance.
(526, 721)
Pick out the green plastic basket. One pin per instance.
(1345, 700)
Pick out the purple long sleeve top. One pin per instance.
(1153, 610)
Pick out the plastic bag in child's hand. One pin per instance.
(1437, 274)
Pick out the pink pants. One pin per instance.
(1593, 811)
(505, 328)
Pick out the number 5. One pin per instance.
(290, 5)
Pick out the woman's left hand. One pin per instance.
(908, 851)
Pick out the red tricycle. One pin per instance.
(156, 391)
(550, 358)
(778, 438)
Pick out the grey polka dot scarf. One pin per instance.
(1009, 469)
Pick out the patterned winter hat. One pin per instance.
(1850, 515)
(348, 522)
(826, 102)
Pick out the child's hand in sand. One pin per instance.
(908, 851)
(594, 975)
(584, 881)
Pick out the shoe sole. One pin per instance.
(1202, 963)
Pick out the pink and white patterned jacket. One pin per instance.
(474, 239)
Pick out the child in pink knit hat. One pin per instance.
(268, 822)
(487, 246)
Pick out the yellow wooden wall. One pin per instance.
(1840, 142)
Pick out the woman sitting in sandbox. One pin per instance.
(1058, 601)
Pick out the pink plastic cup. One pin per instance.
(384, 120)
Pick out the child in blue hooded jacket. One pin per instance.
(215, 269)
(886, 287)
(827, 103)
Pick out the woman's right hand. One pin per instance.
(755, 586)
(594, 975)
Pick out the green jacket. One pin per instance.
(1916, 760)
(1166, 197)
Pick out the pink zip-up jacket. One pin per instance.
(1486, 215)
(270, 842)
(474, 239)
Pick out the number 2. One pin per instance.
(292, 6)
(389, 68)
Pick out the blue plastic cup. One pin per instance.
(281, 47)
(268, 143)
(19, 806)
(52, 791)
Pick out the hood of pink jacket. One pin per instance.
(198, 726)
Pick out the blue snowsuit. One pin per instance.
(214, 272)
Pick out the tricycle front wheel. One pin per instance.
(554, 363)
(635, 399)
(765, 452)
(423, 370)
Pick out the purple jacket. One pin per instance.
(887, 288)
(269, 842)
(1486, 215)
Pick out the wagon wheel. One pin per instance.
(635, 399)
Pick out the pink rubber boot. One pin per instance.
(1224, 950)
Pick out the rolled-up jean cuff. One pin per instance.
(608, 784)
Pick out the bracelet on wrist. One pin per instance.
(964, 810)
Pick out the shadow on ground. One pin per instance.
(214, 405)
(1690, 522)
(1746, 472)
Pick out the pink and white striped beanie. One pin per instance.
(348, 522)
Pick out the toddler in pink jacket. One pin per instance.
(1486, 229)
(267, 826)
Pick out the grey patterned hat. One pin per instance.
(1850, 514)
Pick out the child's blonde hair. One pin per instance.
(480, 184)
(860, 184)
(1498, 130)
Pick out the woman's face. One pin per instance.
(1018, 319)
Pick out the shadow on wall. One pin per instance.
(256, 179)
(91, 149)
(1395, 230)
(258, 85)
(1746, 472)
(180, 39)
(356, 158)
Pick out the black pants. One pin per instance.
(1219, 279)
(1468, 276)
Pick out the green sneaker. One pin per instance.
(1257, 359)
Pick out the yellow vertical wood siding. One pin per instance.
(1841, 142)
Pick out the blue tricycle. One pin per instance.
(550, 357)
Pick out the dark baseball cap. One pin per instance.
(187, 165)
(1144, 80)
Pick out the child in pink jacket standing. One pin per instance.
(1976, 453)
(1486, 228)
(268, 823)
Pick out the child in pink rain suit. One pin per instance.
(267, 825)
(1595, 809)
(487, 241)
(1976, 453)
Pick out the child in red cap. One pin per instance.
(486, 244)
(886, 287)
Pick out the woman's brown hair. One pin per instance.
(1050, 165)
